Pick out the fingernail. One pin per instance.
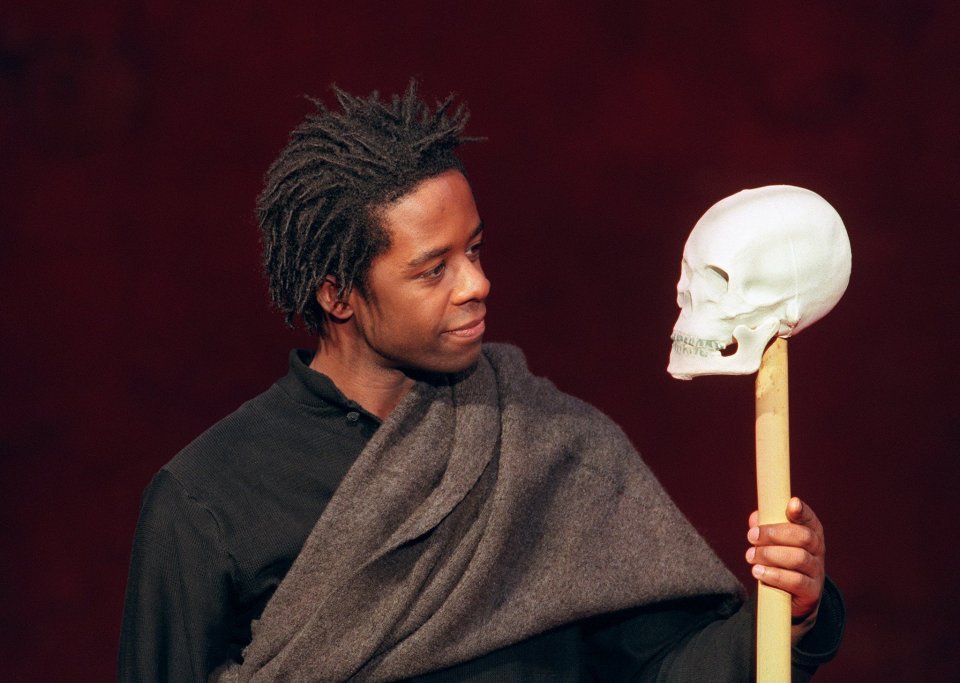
(754, 534)
(751, 553)
(758, 571)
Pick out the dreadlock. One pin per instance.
(318, 208)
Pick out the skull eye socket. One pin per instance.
(717, 280)
(720, 272)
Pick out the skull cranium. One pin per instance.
(761, 263)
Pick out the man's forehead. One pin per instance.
(423, 252)
(437, 213)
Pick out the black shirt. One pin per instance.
(222, 522)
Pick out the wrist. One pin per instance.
(802, 625)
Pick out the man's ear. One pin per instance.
(333, 305)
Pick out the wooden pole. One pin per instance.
(773, 494)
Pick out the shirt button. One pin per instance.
(353, 416)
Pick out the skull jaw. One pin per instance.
(692, 357)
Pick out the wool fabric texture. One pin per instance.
(487, 508)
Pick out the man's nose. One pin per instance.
(472, 284)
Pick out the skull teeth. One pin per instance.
(689, 345)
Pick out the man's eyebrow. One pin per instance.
(428, 256)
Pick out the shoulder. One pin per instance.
(544, 410)
(169, 508)
(519, 386)
(202, 488)
(235, 447)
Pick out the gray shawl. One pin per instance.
(484, 510)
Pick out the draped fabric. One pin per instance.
(487, 508)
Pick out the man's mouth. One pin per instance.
(474, 328)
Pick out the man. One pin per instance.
(408, 503)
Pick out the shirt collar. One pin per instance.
(306, 385)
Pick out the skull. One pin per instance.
(761, 263)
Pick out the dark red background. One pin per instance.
(133, 137)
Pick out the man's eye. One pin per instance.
(474, 250)
(434, 273)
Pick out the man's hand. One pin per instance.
(790, 556)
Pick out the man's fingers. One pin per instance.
(799, 512)
(793, 559)
(792, 535)
(800, 586)
(804, 590)
(790, 555)
(795, 583)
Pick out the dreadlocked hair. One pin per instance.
(318, 209)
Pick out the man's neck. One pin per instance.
(378, 389)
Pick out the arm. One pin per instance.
(176, 617)
(711, 639)
(701, 639)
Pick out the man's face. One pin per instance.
(424, 309)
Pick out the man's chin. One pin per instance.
(462, 365)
